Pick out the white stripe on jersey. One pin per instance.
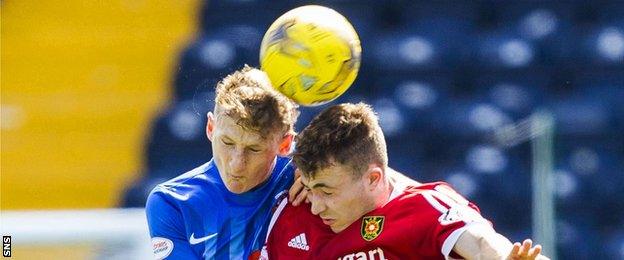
(276, 214)
(434, 202)
(451, 240)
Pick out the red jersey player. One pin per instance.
(366, 215)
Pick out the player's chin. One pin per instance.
(337, 229)
(335, 226)
(237, 187)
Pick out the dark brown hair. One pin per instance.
(348, 134)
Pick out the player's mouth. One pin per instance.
(238, 178)
(328, 221)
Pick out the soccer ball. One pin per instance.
(312, 54)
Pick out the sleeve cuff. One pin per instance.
(450, 241)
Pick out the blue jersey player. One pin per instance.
(221, 209)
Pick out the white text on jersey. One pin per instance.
(370, 255)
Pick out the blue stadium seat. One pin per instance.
(500, 50)
(464, 12)
(518, 94)
(405, 154)
(469, 119)
(601, 44)
(568, 189)
(610, 12)
(500, 177)
(435, 43)
(448, 25)
(464, 182)
(203, 63)
(581, 116)
(219, 13)
(608, 87)
(361, 14)
(577, 238)
(393, 121)
(177, 141)
(530, 15)
(549, 28)
(600, 171)
(419, 96)
(613, 243)
(245, 36)
(306, 114)
(135, 195)
(405, 51)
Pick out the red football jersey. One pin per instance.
(419, 222)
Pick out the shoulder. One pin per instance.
(287, 216)
(289, 220)
(283, 174)
(426, 191)
(284, 166)
(185, 187)
(437, 197)
(441, 202)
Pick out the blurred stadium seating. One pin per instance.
(443, 75)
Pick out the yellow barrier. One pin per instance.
(81, 81)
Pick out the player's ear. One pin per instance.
(286, 144)
(374, 176)
(210, 125)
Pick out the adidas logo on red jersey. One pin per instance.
(299, 242)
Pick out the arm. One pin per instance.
(167, 229)
(481, 242)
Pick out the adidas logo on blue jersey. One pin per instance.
(299, 242)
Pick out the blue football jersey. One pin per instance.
(194, 216)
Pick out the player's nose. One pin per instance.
(237, 162)
(317, 205)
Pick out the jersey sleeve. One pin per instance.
(167, 229)
(453, 214)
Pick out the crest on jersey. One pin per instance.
(372, 227)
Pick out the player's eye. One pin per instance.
(326, 193)
(254, 150)
(227, 143)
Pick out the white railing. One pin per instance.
(124, 230)
(538, 129)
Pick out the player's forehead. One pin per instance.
(333, 176)
(230, 129)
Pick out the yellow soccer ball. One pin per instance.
(312, 54)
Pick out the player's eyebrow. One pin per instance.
(320, 185)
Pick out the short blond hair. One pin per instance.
(348, 134)
(247, 96)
